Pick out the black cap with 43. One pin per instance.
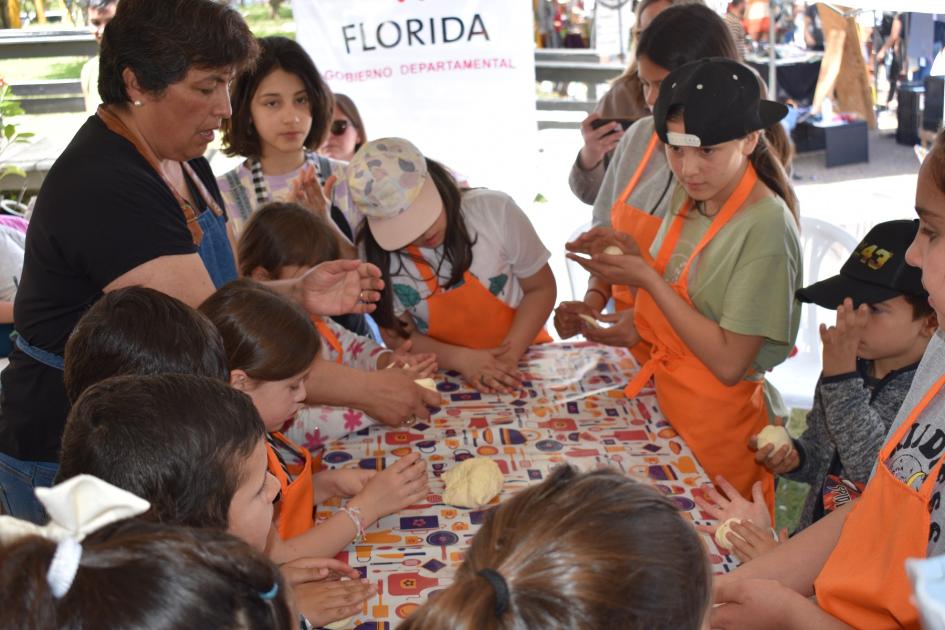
(875, 272)
(721, 101)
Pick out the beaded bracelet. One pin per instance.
(354, 514)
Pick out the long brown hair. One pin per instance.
(580, 550)
(457, 247)
(134, 574)
(264, 334)
(936, 161)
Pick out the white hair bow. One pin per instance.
(76, 508)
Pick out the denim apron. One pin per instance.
(207, 229)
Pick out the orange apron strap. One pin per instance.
(426, 271)
(329, 337)
(635, 386)
(628, 190)
(671, 238)
(731, 206)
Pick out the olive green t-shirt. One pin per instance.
(745, 278)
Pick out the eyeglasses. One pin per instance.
(338, 127)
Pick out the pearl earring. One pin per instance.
(138, 104)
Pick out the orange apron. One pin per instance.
(329, 337)
(467, 315)
(864, 583)
(642, 226)
(297, 505)
(714, 419)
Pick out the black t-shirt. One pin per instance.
(101, 212)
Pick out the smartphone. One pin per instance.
(624, 122)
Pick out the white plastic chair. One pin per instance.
(825, 248)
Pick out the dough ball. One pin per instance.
(613, 250)
(590, 320)
(341, 624)
(473, 483)
(426, 383)
(722, 533)
(774, 434)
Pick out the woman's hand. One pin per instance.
(391, 397)
(491, 371)
(398, 486)
(730, 504)
(337, 287)
(597, 142)
(567, 319)
(307, 191)
(622, 333)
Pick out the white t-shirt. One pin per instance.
(506, 248)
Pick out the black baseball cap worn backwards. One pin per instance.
(721, 101)
(875, 272)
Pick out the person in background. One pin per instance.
(346, 134)
(734, 15)
(100, 13)
(540, 561)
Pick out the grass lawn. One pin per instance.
(789, 498)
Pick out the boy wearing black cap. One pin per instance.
(884, 323)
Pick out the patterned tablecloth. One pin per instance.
(571, 409)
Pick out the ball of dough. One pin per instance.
(721, 534)
(774, 434)
(426, 383)
(613, 250)
(341, 624)
(473, 483)
(590, 320)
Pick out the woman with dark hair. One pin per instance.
(132, 202)
(347, 133)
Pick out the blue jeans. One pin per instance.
(17, 481)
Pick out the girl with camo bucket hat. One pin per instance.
(466, 276)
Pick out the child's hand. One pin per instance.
(345, 482)
(623, 333)
(401, 484)
(391, 397)
(487, 372)
(315, 570)
(629, 269)
(748, 541)
(421, 365)
(332, 600)
(307, 191)
(751, 604)
(567, 321)
(729, 504)
(841, 341)
(781, 461)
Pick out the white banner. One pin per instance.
(455, 77)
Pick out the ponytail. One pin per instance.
(772, 173)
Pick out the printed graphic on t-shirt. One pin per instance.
(838, 491)
(912, 460)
